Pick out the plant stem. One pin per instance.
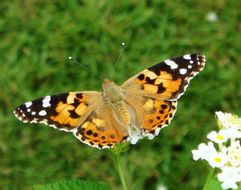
(206, 185)
(119, 169)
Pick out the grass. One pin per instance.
(37, 37)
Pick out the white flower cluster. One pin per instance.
(223, 151)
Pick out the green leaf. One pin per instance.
(73, 185)
(212, 184)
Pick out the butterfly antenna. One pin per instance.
(85, 67)
(122, 48)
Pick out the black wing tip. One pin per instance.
(19, 114)
(201, 56)
(200, 60)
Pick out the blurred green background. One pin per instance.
(38, 36)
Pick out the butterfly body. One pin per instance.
(112, 92)
(140, 107)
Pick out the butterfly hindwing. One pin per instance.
(100, 129)
(168, 79)
(158, 115)
(152, 114)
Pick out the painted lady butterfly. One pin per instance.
(140, 107)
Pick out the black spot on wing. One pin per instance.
(79, 95)
(55, 99)
(161, 88)
(163, 106)
(141, 77)
(73, 114)
(150, 81)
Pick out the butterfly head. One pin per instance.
(112, 91)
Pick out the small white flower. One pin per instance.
(233, 133)
(217, 160)
(227, 156)
(229, 176)
(204, 151)
(212, 17)
(234, 153)
(219, 137)
(227, 120)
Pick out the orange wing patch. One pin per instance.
(162, 84)
(160, 113)
(69, 112)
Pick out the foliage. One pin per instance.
(72, 185)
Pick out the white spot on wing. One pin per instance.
(187, 57)
(44, 121)
(42, 113)
(34, 121)
(28, 104)
(183, 71)
(28, 110)
(53, 126)
(33, 113)
(46, 101)
(189, 66)
(171, 63)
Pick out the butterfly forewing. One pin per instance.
(168, 79)
(63, 111)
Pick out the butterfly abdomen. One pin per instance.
(122, 113)
(114, 96)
